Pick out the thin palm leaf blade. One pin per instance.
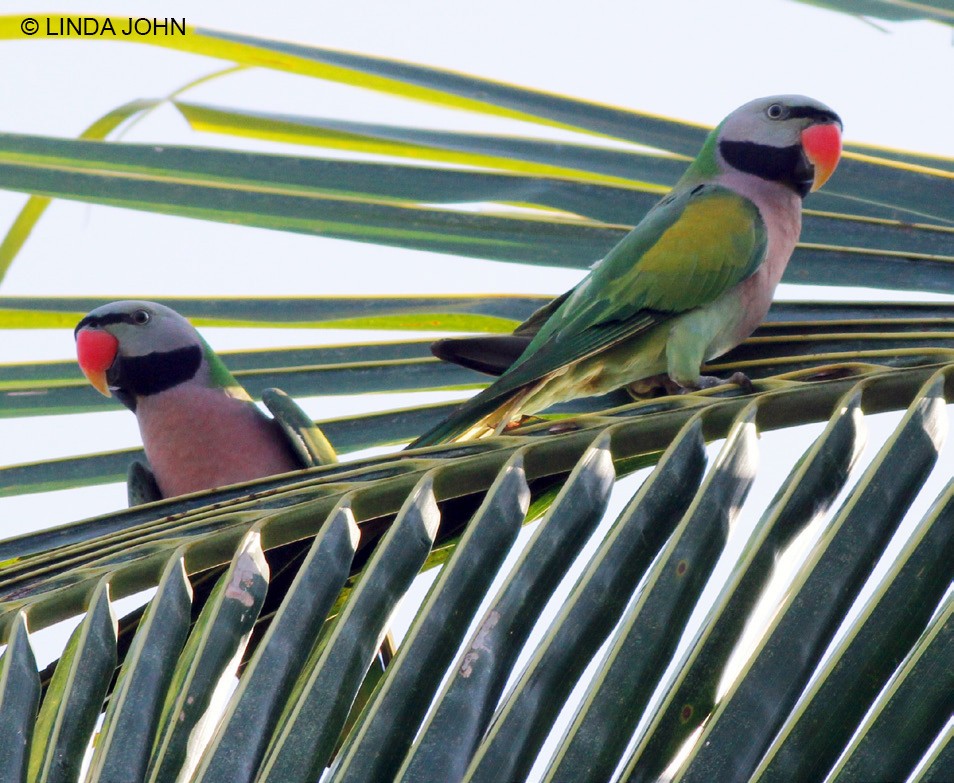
(807, 492)
(529, 156)
(465, 312)
(910, 712)
(820, 727)
(939, 761)
(466, 703)
(125, 741)
(891, 10)
(19, 699)
(73, 701)
(316, 712)
(596, 739)
(127, 114)
(377, 745)
(234, 753)
(785, 658)
(209, 659)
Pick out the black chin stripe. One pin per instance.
(140, 376)
(779, 164)
(127, 399)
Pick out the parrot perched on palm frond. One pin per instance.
(691, 281)
(199, 427)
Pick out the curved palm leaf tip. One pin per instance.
(691, 281)
(200, 428)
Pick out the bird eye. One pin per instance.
(141, 317)
(776, 111)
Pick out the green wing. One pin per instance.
(688, 250)
(535, 322)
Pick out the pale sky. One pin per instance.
(693, 59)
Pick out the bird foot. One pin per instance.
(654, 386)
(711, 381)
(662, 385)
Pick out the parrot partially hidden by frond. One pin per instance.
(691, 281)
(199, 427)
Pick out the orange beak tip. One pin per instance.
(822, 145)
(98, 381)
(96, 351)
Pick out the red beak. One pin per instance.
(822, 145)
(96, 351)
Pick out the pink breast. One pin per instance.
(197, 439)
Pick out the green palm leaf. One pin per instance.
(293, 578)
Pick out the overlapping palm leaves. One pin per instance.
(886, 220)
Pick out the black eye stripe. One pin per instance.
(105, 320)
(813, 113)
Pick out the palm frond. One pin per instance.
(288, 583)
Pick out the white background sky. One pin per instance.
(693, 59)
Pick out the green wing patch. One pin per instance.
(685, 254)
(688, 250)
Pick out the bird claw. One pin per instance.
(662, 385)
(743, 381)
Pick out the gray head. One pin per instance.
(791, 139)
(135, 348)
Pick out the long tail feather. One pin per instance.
(493, 354)
(486, 414)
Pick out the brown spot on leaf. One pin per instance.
(243, 577)
(479, 645)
